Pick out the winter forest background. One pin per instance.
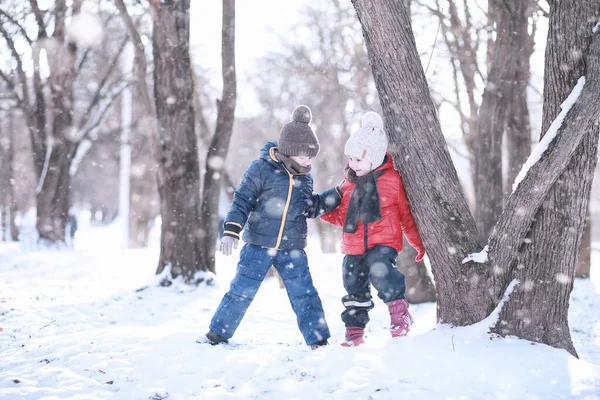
(126, 125)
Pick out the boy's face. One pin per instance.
(359, 165)
(302, 160)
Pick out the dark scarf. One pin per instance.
(291, 165)
(364, 202)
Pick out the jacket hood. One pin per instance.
(387, 163)
(266, 153)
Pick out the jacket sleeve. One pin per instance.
(244, 200)
(320, 204)
(337, 216)
(407, 221)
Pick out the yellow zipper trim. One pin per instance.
(285, 209)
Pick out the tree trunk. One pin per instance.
(585, 250)
(4, 178)
(126, 117)
(518, 127)
(37, 123)
(10, 200)
(469, 289)
(53, 197)
(419, 287)
(217, 152)
(436, 197)
(4, 220)
(538, 309)
(179, 173)
(498, 94)
(144, 207)
(55, 182)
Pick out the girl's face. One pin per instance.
(302, 160)
(359, 165)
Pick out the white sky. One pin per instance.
(256, 33)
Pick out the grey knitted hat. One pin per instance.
(296, 137)
(369, 142)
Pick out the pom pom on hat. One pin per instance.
(296, 137)
(369, 142)
(371, 119)
(302, 114)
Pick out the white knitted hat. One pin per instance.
(369, 142)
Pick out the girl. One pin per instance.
(374, 213)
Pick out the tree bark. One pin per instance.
(585, 250)
(518, 126)
(179, 173)
(4, 177)
(11, 200)
(538, 309)
(54, 182)
(37, 124)
(217, 152)
(498, 94)
(53, 197)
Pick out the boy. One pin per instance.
(272, 202)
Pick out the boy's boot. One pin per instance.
(320, 343)
(354, 336)
(401, 320)
(215, 339)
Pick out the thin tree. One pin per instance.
(8, 207)
(472, 279)
(217, 151)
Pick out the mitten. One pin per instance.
(228, 243)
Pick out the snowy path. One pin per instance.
(76, 325)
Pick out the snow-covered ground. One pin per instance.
(91, 323)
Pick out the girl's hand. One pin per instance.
(420, 255)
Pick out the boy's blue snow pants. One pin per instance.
(292, 266)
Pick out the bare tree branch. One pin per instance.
(97, 95)
(20, 71)
(11, 85)
(16, 23)
(140, 57)
(39, 18)
(103, 107)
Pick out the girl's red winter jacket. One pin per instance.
(396, 217)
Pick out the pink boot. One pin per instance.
(354, 336)
(401, 320)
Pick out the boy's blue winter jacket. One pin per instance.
(272, 204)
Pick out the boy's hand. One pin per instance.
(228, 243)
(420, 255)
